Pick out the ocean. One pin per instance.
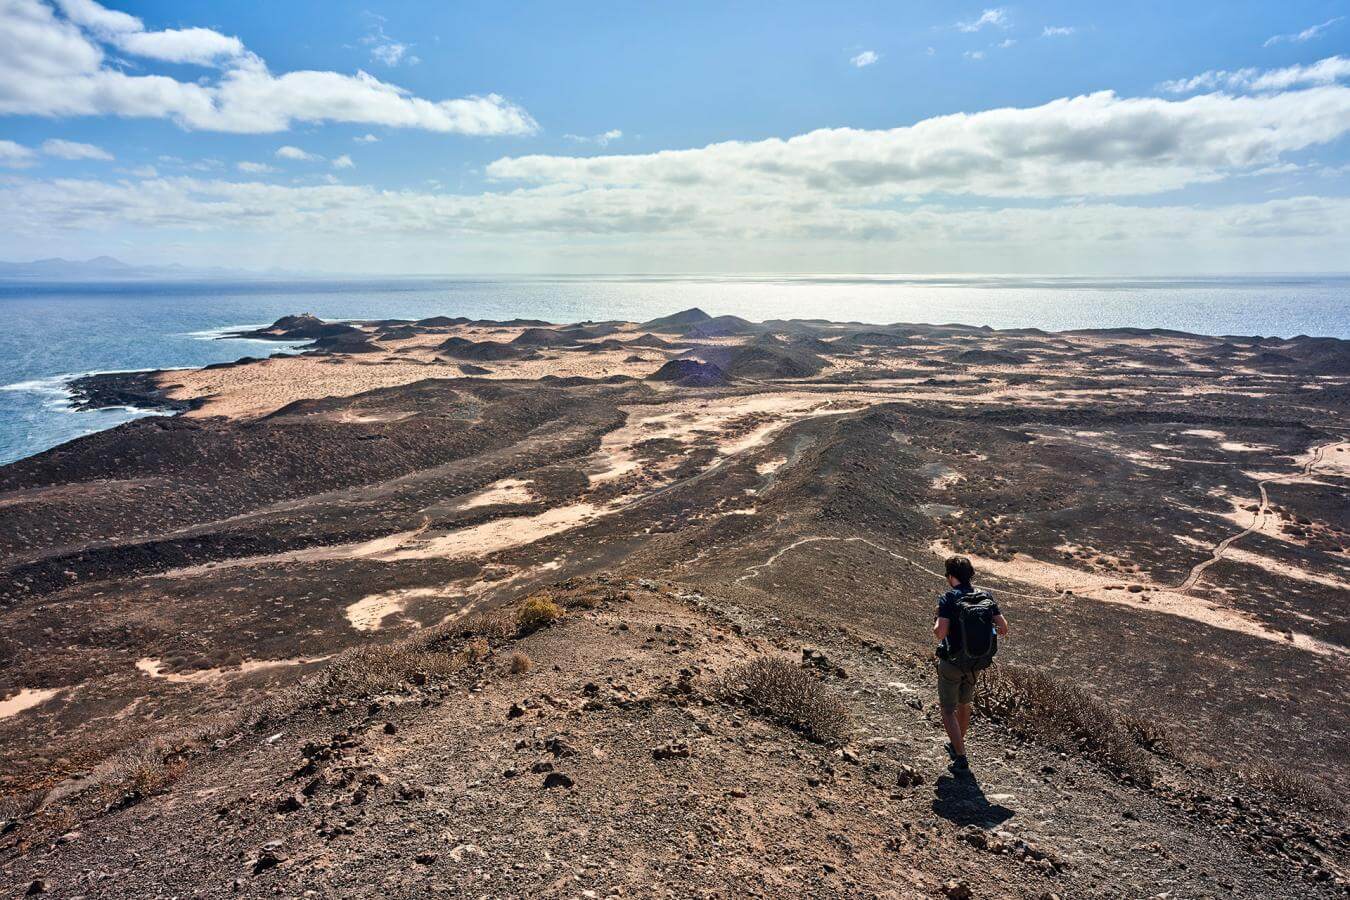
(50, 332)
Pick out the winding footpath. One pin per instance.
(1258, 518)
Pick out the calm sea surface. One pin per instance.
(49, 332)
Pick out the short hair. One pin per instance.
(960, 568)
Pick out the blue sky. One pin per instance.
(694, 137)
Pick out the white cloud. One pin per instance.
(1057, 30)
(296, 154)
(385, 49)
(973, 54)
(187, 45)
(366, 139)
(865, 58)
(603, 139)
(1037, 179)
(74, 150)
(997, 17)
(53, 66)
(1097, 144)
(143, 172)
(1306, 34)
(1005, 44)
(16, 156)
(343, 162)
(253, 168)
(332, 213)
(1325, 71)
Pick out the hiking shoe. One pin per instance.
(960, 764)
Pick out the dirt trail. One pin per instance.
(1258, 518)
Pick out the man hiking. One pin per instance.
(967, 622)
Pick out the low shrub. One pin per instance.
(1036, 705)
(779, 689)
(1281, 784)
(494, 624)
(536, 613)
(143, 771)
(478, 650)
(521, 663)
(1149, 735)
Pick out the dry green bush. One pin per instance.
(521, 663)
(536, 613)
(779, 689)
(1036, 705)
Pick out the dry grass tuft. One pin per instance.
(536, 613)
(521, 663)
(777, 688)
(1036, 705)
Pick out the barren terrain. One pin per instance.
(1163, 517)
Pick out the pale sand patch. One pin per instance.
(770, 466)
(508, 490)
(1206, 433)
(1239, 447)
(155, 669)
(1260, 522)
(494, 536)
(26, 698)
(262, 387)
(369, 613)
(687, 421)
(1273, 566)
(1328, 459)
(1092, 586)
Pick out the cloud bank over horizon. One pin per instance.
(1091, 176)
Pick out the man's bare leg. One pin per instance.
(955, 732)
(963, 719)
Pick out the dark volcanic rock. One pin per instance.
(441, 321)
(722, 326)
(544, 337)
(298, 328)
(764, 357)
(137, 390)
(650, 340)
(690, 373)
(462, 348)
(677, 321)
(992, 357)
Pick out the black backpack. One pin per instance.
(975, 619)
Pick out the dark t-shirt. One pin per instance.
(946, 609)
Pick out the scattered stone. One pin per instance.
(270, 856)
(956, 890)
(425, 859)
(515, 712)
(672, 750)
(557, 779)
(291, 803)
(390, 728)
(37, 886)
(908, 776)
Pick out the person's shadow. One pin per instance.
(960, 800)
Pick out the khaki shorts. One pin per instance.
(955, 686)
